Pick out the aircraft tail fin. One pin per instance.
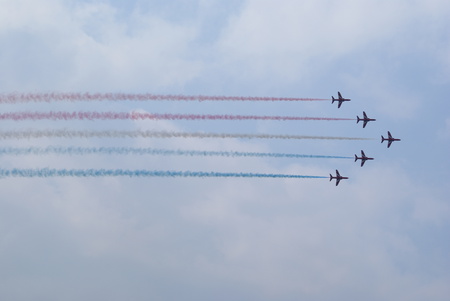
(333, 99)
(358, 119)
(382, 139)
(356, 158)
(331, 177)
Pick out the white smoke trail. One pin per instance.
(28, 134)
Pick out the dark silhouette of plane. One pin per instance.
(338, 177)
(365, 119)
(363, 158)
(340, 99)
(389, 139)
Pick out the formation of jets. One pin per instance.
(365, 120)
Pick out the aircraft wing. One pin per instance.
(365, 123)
(337, 181)
(389, 134)
(362, 162)
(389, 143)
(365, 115)
(362, 153)
(339, 94)
(337, 173)
(339, 105)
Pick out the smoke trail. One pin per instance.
(46, 172)
(55, 96)
(18, 116)
(28, 134)
(148, 151)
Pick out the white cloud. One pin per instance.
(86, 46)
(361, 46)
(294, 37)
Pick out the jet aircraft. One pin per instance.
(363, 158)
(389, 139)
(338, 177)
(365, 119)
(340, 99)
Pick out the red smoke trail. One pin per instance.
(64, 116)
(226, 117)
(147, 116)
(56, 96)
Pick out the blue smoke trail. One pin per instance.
(46, 172)
(148, 151)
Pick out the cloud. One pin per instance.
(85, 43)
(359, 47)
(295, 38)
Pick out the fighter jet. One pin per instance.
(365, 119)
(340, 99)
(338, 177)
(363, 158)
(389, 139)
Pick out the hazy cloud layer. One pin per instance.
(381, 235)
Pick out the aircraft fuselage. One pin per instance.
(389, 139)
(340, 99)
(338, 177)
(365, 119)
(363, 159)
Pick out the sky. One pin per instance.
(380, 235)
